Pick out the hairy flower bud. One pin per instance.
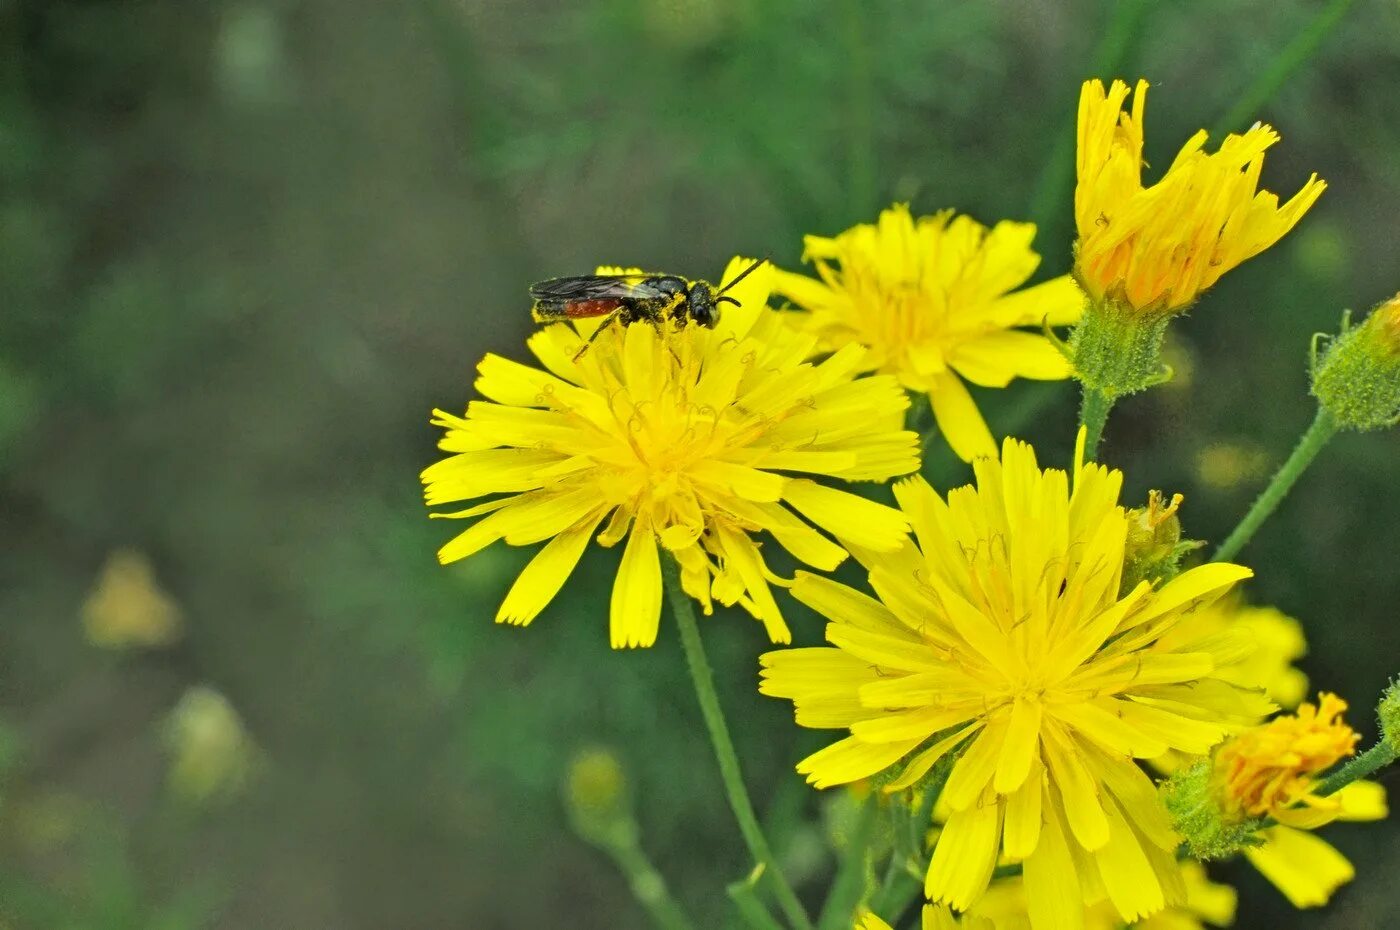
(1357, 378)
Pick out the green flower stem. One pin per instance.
(846, 890)
(730, 773)
(1373, 759)
(647, 885)
(1093, 414)
(745, 897)
(1292, 57)
(1323, 428)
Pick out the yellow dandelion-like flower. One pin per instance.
(1004, 635)
(688, 439)
(934, 300)
(1157, 248)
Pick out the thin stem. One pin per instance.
(1093, 414)
(648, 887)
(839, 911)
(1323, 428)
(703, 679)
(1377, 757)
(1292, 57)
(746, 902)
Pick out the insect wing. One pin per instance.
(599, 287)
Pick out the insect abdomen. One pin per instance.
(547, 310)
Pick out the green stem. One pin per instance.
(845, 896)
(1323, 428)
(746, 902)
(1093, 414)
(1292, 57)
(1377, 757)
(730, 773)
(648, 887)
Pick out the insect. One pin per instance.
(631, 298)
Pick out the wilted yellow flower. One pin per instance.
(1157, 248)
(1271, 771)
(127, 608)
(212, 754)
(1268, 770)
(688, 439)
(933, 300)
(1004, 633)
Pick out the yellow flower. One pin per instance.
(1004, 635)
(212, 755)
(1157, 248)
(684, 438)
(932, 300)
(1272, 642)
(127, 608)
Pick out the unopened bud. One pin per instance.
(1389, 713)
(1154, 545)
(596, 794)
(1357, 379)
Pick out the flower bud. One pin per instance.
(1389, 713)
(596, 795)
(1154, 546)
(1357, 379)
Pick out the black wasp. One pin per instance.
(631, 298)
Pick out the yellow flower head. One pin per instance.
(1157, 248)
(1269, 769)
(128, 609)
(690, 438)
(1004, 635)
(932, 300)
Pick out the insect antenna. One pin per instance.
(739, 277)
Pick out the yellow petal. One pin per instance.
(636, 595)
(1127, 874)
(1053, 895)
(1021, 746)
(1305, 868)
(1023, 817)
(959, 420)
(1362, 800)
(851, 760)
(848, 517)
(751, 293)
(1057, 302)
(995, 359)
(546, 574)
(965, 855)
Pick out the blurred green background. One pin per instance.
(247, 245)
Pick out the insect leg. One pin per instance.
(608, 320)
